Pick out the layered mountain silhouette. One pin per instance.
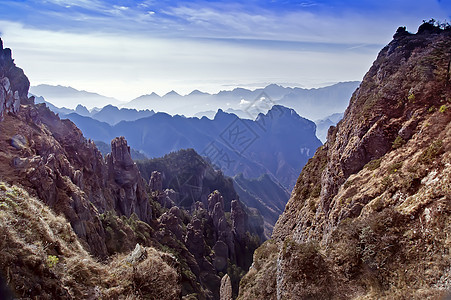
(278, 143)
(62, 95)
(313, 104)
(309, 103)
(323, 125)
(109, 114)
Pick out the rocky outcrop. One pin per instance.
(51, 159)
(156, 182)
(239, 220)
(223, 231)
(13, 84)
(138, 254)
(356, 219)
(226, 288)
(129, 188)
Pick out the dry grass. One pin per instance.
(41, 256)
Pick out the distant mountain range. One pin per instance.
(278, 143)
(109, 114)
(309, 103)
(313, 104)
(63, 96)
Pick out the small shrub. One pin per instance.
(348, 184)
(443, 108)
(431, 109)
(431, 153)
(411, 97)
(316, 191)
(312, 205)
(52, 261)
(395, 167)
(386, 181)
(398, 142)
(374, 164)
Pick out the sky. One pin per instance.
(125, 49)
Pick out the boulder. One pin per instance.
(138, 254)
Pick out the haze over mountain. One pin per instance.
(278, 143)
(309, 103)
(65, 96)
(312, 104)
(322, 126)
(84, 226)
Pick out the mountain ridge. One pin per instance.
(356, 218)
(210, 136)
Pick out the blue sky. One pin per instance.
(128, 48)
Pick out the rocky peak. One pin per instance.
(120, 152)
(13, 84)
(239, 220)
(156, 181)
(360, 205)
(216, 204)
(18, 81)
(130, 188)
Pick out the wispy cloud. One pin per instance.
(126, 48)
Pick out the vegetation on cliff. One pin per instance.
(370, 214)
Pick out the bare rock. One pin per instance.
(226, 288)
(19, 142)
(239, 220)
(131, 195)
(194, 239)
(156, 181)
(221, 251)
(138, 254)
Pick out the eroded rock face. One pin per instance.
(14, 84)
(129, 188)
(51, 158)
(223, 230)
(239, 220)
(156, 181)
(362, 205)
(408, 78)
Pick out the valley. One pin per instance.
(236, 194)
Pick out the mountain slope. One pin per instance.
(278, 143)
(370, 213)
(268, 197)
(41, 252)
(111, 212)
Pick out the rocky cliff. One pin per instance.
(202, 219)
(111, 211)
(369, 216)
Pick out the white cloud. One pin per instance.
(244, 103)
(128, 66)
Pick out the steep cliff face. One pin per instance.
(13, 83)
(129, 185)
(52, 160)
(110, 209)
(370, 212)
